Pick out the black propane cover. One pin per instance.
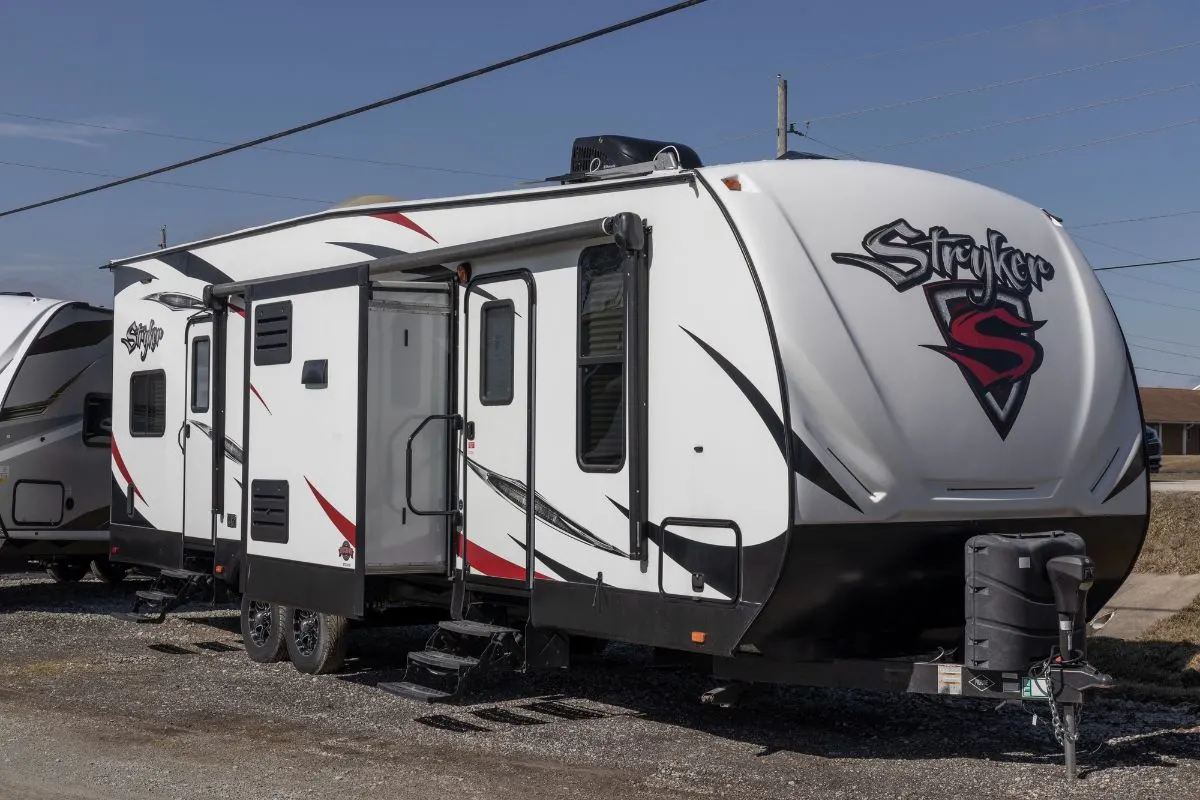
(1012, 622)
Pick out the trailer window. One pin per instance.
(496, 360)
(600, 369)
(97, 420)
(148, 403)
(201, 348)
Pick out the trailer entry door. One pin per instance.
(304, 448)
(197, 434)
(498, 408)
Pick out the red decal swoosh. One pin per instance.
(260, 399)
(400, 219)
(120, 462)
(345, 527)
(494, 566)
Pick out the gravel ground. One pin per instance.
(95, 708)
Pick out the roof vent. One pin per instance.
(598, 157)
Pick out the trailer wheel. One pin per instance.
(262, 630)
(106, 571)
(67, 571)
(316, 642)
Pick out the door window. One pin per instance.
(600, 417)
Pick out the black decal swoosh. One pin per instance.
(232, 451)
(807, 464)
(84, 333)
(514, 491)
(34, 409)
(372, 250)
(193, 266)
(716, 562)
(1132, 473)
(176, 301)
(563, 571)
(124, 277)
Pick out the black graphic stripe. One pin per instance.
(1132, 473)
(193, 266)
(84, 333)
(40, 407)
(176, 301)
(515, 491)
(232, 451)
(124, 277)
(94, 520)
(807, 464)
(562, 570)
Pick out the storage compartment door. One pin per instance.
(304, 449)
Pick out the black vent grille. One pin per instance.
(269, 511)
(273, 333)
(582, 158)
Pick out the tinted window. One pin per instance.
(496, 362)
(97, 420)
(148, 403)
(600, 438)
(200, 373)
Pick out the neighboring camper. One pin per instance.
(55, 425)
(753, 412)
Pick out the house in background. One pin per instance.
(1175, 415)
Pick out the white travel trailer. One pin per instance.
(55, 410)
(753, 412)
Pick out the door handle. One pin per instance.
(455, 423)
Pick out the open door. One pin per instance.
(196, 435)
(498, 407)
(305, 444)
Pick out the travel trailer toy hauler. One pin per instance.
(55, 409)
(757, 412)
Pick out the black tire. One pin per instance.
(316, 642)
(262, 631)
(67, 571)
(587, 646)
(106, 571)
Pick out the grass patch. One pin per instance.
(1173, 541)
(1162, 664)
(1178, 468)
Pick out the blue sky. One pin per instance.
(229, 71)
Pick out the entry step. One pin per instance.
(412, 691)
(442, 660)
(155, 596)
(181, 574)
(468, 627)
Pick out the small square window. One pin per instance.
(148, 403)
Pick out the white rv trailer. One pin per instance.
(55, 410)
(752, 411)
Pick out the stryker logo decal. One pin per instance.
(143, 337)
(982, 308)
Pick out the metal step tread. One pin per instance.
(156, 596)
(181, 574)
(129, 616)
(469, 627)
(442, 660)
(413, 691)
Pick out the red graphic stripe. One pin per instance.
(494, 566)
(120, 462)
(400, 219)
(260, 399)
(241, 312)
(345, 527)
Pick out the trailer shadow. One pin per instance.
(627, 681)
(37, 592)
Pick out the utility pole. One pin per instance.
(781, 125)
(162, 237)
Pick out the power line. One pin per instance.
(833, 147)
(1152, 302)
(1134, 219)
(1077, 146)
(180, 137)
(629, 23)
(999, 84)
(1165, 341)
(1176, 287)
(1160, 350)
(170, 183)
(1035, 117)
(1168, 372)
(1109, 246)
(1147, 264)
(961, 36)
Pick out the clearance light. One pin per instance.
(698, 637)
(220, 569)
(732, 183)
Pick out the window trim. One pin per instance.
(83, 433)
(192, 376)
(582, 362)
(512, 362)
(148, 373)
